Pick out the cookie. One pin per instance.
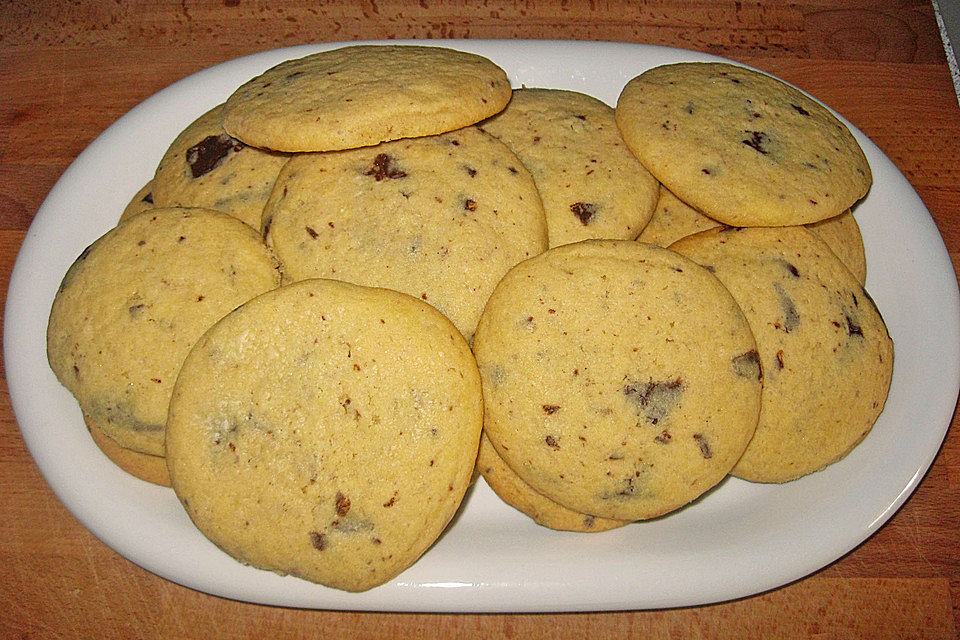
(140, 202)
(140, 465)
(842, 235)
(620, 379)
(441, 218)
(205, 167)
(515, 492)
(674, 219)
(134, 302)
(327, 431)
(363, 95)
(590, 183)
(742, 147)
(826, 355)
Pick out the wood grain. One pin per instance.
(69, 70)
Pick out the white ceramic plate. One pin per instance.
(739, 539)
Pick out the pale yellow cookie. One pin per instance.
(590, 183)
(741, 146)
(675, 219)
(327, 431)
(134, 302)
(544, 511)
(620, 379)
(362, 95)
(140, 465)
(441, 218)
(140, 202)
(205, 167)
(826, 355)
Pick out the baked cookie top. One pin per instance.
(674, 219)
(362, 95)
(441, 218)
(205, 167)
(326, 430)
(590, 183)
(140, 202)
(620, 379)
(134, 302)
(741, 146)
(542, 510)
(826, 355)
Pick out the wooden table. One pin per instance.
(67, 72)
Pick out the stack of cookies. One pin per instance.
(376, 270)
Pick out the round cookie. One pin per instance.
(204, 167)
(842, 235)
(134, 302)
(826, 355)
(620, 379)
(675, 219)
(140, 465)
(327, 431)
(141, 201)
(590, 183)
(441, 218)
(363, 95)
(741, 146)
(512, 490)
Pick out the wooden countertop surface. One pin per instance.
(67, 71)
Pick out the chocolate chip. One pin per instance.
(780, 359)
(470, 205)
(747, 365)
(382, 168)
(206, 155)
(148, 198)
(551, 409)
(656, 399)
(664, 437)
(313, 234)
(756, 141)
(704, 445)
(584, 211)
(791, 317)
(470, 171)
(551, 442)
(318, 540)
(789, 267)
(342, 504)
(800, 109)
(853, 329)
